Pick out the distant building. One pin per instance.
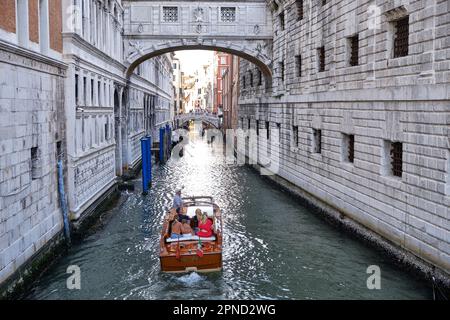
(177, 87)
(222, 62)
(230, 94)
(198, 89)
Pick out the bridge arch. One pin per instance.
(262, 62)
(213, 120)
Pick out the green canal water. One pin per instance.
(274, 247)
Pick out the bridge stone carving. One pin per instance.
(197, 116)
(243, 28)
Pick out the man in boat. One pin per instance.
(178, 205)
(177, 200)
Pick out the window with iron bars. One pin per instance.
(298, 63)
(317, 140)
(321, 56)
(348, 148)
(170, 14)
(354, 50)
(300, 10)
(401, 37)
(228, 14)
(267, 130)
(295, 135)
(281, 65)
(397, 158)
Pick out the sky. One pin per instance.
(192, 60)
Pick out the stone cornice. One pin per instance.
(80, 42)
(16, 55)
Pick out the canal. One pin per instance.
(274, 248)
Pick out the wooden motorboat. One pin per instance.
(192, 253)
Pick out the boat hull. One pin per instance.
(191, 262)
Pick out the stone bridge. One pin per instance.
(242, 28)
(209, 118)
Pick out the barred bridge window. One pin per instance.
(401, 41)
(396, 158)
(170, 14)
(228, 14)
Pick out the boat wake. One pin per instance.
(191, 278)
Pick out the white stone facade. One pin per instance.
(106, 114)
(31, 129)
(380, 101)
(78, 105)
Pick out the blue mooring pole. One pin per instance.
(144, 152)
(149, 160)
(169, 138)
(161, 144)
(62, 199)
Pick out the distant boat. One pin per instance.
(191, 253)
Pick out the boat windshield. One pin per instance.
(208, 209)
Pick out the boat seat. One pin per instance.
(191, 238)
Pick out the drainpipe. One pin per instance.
(63, 202)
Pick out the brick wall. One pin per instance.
(8, 15)
(33, 20)
(55, 18)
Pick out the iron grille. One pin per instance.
(295, 133)
(354, 57)
(397, 158)
(317, 141)
(228, 14)
(351, 148)
(170, 14)
(401, 43)
(299, 65)
(300, 10)
(282, 70)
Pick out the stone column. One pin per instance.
(22, 23)
(70, 113)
